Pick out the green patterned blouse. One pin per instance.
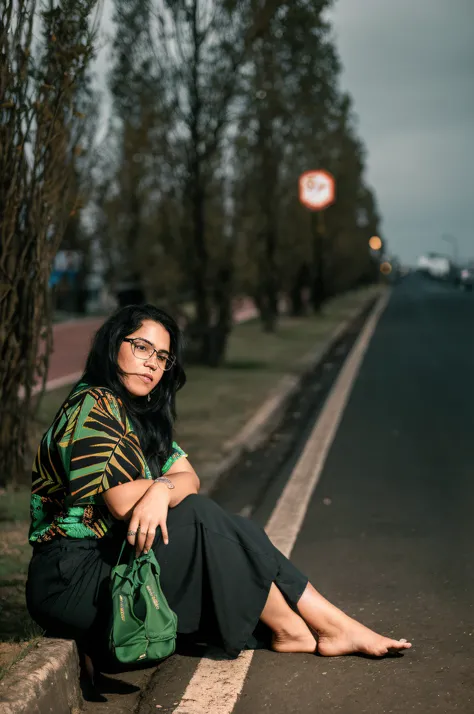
(89, 448)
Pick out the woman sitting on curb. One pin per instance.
(108, 468)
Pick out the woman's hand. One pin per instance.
(150, 512)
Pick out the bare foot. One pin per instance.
(303, 642)
(354, 637)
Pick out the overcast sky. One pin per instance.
(409, 65)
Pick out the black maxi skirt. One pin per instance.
(216, 574)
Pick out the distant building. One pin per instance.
(435, 265)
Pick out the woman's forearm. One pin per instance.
(121, 500)
(185, 483)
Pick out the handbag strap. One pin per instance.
(136, 560)
(121, 551)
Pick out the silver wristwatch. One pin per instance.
(163, 479)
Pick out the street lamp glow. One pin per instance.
(375, 243)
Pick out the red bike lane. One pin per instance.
(72, 341)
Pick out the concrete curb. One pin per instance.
(266, 418)
(46, 680)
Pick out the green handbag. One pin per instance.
(143, 626)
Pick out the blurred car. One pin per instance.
(466, 277)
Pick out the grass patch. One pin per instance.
(14, 506)
(50, 403)
(13, 652)
(214, 405)
(17, 629)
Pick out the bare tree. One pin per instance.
(188, 68)
(39, 130)
(291, 85)
(221, 106)
(295, 119)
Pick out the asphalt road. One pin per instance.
(389, 531)
(395, 546)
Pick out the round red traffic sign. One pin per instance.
(317, 189)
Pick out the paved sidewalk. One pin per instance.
(46, 680)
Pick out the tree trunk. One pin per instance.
(24, 356)
(298, 305)
(200, 261)
(221, 329)
(38, 138)
(268, 295)
(268, 287)
(201, 331)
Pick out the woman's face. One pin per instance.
(142, 375)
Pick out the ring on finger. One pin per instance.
(131, 533)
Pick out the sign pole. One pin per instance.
(318, 223)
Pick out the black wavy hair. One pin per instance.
(152, 421)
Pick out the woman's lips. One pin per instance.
(147, 380)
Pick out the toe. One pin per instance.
(397, 645)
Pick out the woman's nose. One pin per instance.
(152, 361)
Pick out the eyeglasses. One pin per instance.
(143, 350)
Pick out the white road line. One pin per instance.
(216, 684)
